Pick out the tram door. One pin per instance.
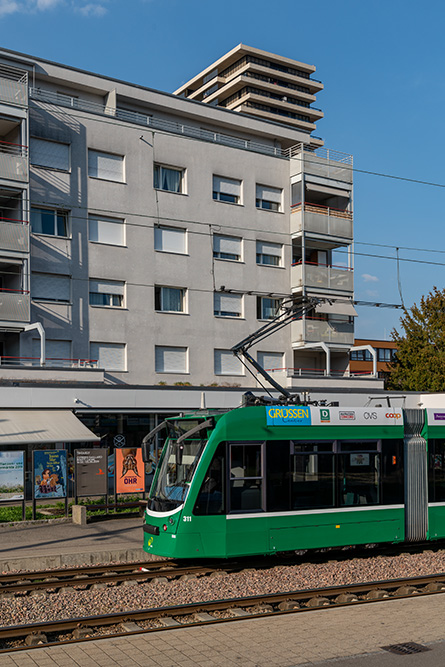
(416, 477)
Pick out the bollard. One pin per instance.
(79, 515)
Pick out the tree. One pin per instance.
(420, 357)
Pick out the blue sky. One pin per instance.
(381, 63)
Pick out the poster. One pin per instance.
(12, 478)
(49, 473)
(91, 472)
(130, 470)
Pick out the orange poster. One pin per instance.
(129, 470)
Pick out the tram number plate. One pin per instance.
(186, 518)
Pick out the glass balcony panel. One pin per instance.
(323, 277)
(14, 236)
(14, 92)
(14, 306)
(323, 221)
(13, 167)
(316, 331)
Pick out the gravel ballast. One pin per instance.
(22, 608)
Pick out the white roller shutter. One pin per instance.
(170, 359)
(54, 349)
(228, 303)
(228, 186)
(107, 286)
(50, 287)
(227, 244)
(105, 165)
(227, 364)
(106, 230)
(268, 193)
(49, 154)
(170, 239)
(265, 248)
(271, 360)
(110, 356)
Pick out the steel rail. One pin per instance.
(311, 599)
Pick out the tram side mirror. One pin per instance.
(179, 453)
(146, 452)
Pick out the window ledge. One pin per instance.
(172, 252)
(234, 261)
(171, 312)
(267, 210)
(173, 372)
(229, 317)
(171, 192)
(51, 236)
(53, 302)
(230, 203)
(107, 180)
(270, 266)
(107, 307)
(110, 245)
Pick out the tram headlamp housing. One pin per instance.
(164, 527)
(171, 521)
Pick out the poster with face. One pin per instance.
(12, 480)
(130, 470)
(49, 473)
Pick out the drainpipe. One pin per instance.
(39, 327)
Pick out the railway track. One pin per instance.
(23, 637)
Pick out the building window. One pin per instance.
(106, 166)
(361, 355)
(226, 363)
(226, 190)
(170, 299)
(57, 352)
(109, 356)
(268, 198)
(50, 222)
(169, 179)
(170, 239)
(271, 361)
(50, 287)
(386, 354)
(227, 305)
(49, 154)
(171, 359)
(267, 308)
(269, 254)
(227, 247)
(107, 293)
(110, 231)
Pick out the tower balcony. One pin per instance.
(322, 278)
(13, 86)
(13, 162)
(14, 235)
(14, 307)
(321, 220)
(315, 330)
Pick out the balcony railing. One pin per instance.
(323, 220)
(13, 86)
(335, 278)
(14, 306)
(50, 362)
(13, 161)
(326, 331)
(321, 162)
(317, 372)
(14, 235)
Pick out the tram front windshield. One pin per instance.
(177, 467)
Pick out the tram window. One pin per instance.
(359, 446)
(211, 494)
(246, 483)
(312, 481)
(392, 472)
(359, 478)
(436, 471)
(278, 475)
(299, 446)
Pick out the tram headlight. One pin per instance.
(164, 527)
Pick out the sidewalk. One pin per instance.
(55, 544)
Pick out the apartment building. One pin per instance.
(147, 232)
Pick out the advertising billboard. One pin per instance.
(12, 476)
(129, 470)
(91, 472)
(49, 473)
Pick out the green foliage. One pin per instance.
(9, 514)
(420, 363)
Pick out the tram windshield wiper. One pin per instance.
(148, 439)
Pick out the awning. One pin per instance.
(19, 427)
(336, 308)
(334, 192)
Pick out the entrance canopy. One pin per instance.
(19, 427)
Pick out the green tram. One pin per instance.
(267, 479)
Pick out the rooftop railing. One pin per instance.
(50, 362)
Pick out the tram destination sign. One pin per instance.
(305, 415)
(91, 472)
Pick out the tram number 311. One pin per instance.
(186, 518)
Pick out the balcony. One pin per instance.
(14, 306)
(331, 278)
(13, 86)
(322, 220)
(62, 370)
(13, 162)
(316, 330)
(14, 235)
(321, 162)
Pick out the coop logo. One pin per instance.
(370, 415)
(325, 415)
(393, 415)
(288, 416)
(347, 415)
